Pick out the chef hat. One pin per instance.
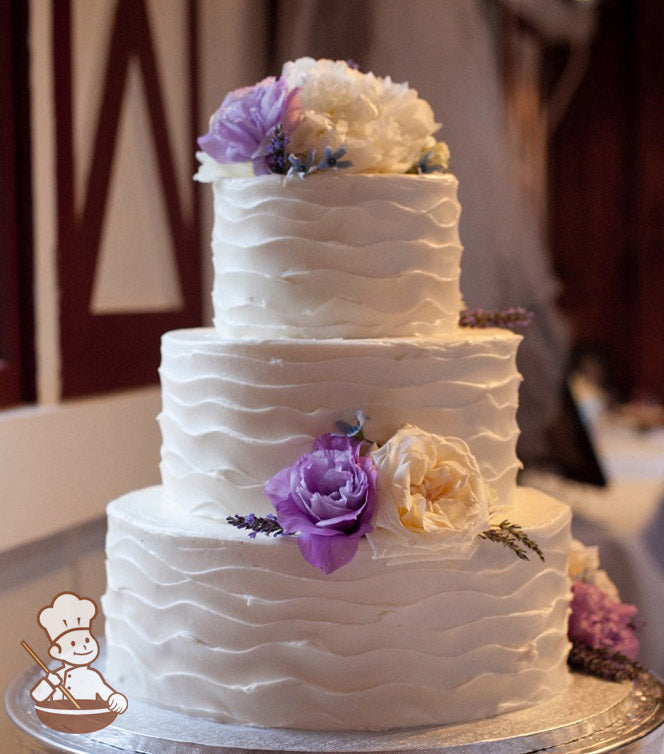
(67, 613)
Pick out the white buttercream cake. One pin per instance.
(336, 295)
(361, 256)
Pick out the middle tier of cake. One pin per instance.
(236, 411)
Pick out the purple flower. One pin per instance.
(243, 127)
(328, 495)
(597, 621)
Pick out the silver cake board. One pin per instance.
(592, 717)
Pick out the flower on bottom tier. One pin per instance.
(598, 621)
(584, 566)
(432, 504)
(328, 496)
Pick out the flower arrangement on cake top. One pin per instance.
(319, 115)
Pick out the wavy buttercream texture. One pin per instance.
(352, 256)
(236, 411)
(202, 619)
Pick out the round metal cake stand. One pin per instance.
(593, 717)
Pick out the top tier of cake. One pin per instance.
(336, 256)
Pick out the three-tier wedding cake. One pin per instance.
(394, 573)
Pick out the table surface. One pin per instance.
(593, 717)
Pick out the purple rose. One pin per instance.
(597, 621)
(242, 127)
(328, 496)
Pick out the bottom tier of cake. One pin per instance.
(203, 619)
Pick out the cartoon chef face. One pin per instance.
(67, 623)
(76, 647)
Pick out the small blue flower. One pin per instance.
(301, 167)
(351, 430)
(332, 159)
(424, 164)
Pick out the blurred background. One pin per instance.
(554, 114)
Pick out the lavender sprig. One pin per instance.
(602, 663)
(509, 318)
(514, 538)
(276, 150)
(258, 525)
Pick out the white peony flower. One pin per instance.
(432, 502)
(584, 566)
(384, 126)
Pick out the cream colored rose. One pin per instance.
(582, 558)
(439, 154)
(584, 566)
(432, 501)
(383, 125)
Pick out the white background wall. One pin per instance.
(62, 461)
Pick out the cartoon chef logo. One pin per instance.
(74, 697)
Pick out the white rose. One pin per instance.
(582, 559)
(584, 566)
(432, 502)
(210, 170)
(384, 126)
